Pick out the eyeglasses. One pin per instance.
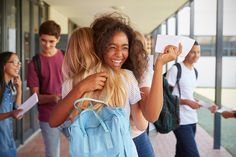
(15, 63)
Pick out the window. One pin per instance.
(11, 25)
(184, 21)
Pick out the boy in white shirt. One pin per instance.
(185, 134)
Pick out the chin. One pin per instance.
(115, 68)
(15, 75)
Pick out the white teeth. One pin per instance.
(116, 61)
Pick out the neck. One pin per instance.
(50, 53)
(7, 79)
(187, 64)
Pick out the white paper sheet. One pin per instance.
(204, 104)
(222, 109)
(165, 40)
(28, 104)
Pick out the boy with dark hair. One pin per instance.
(45, 79)
(185, 133)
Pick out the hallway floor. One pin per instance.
(164, 145)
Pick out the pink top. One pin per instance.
(51, 70)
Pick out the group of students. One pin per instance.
(107, 61)
(112, 52)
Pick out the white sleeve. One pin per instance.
(171, 76)
(146, 80)
(66, 87)
(134, 91)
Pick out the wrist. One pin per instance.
(158, 65)
(159, 60)
(79, 91)
(12, 113)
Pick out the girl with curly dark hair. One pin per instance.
(120, 47)
(113, 40)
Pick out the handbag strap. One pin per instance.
(87, 99)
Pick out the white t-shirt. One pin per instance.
(133, 91)
(66, 87)
(133, 96)
(187, 84)
(145, 82)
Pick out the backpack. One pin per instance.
(103, 133)
(37, 66)
(169, 117)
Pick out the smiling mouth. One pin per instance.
(116, 62)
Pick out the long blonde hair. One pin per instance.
(81, 61)
(80, 56)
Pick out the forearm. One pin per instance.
(18, 98)
(64, 107)
(183, 101)
(191, 103)
(5, 115)
(139, 121)
(152, 107)
(44, 99)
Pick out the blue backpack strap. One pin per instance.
(179, 72)
(87, 99)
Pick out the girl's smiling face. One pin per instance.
(117, 51)
(12, 67)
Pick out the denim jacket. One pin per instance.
(7, 143)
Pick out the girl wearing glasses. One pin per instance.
(9, 82)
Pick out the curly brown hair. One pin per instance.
(105, 26)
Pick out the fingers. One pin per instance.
(170, 49)
(19, 117)
(180, 49)
(17, 114)
(95, 81)
(213, 108)
(102, 74)
(17, 81)
(101, 80)
(173, 49)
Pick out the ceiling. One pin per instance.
(145, 15)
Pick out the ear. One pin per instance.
(58, 39)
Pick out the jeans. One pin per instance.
(186, 145)
(51, 137)
(8, 153)
(143, 145)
